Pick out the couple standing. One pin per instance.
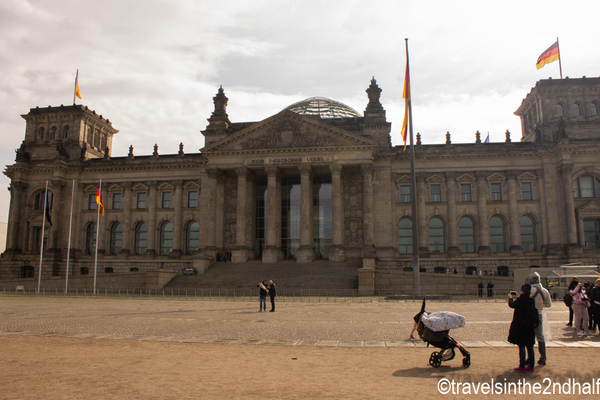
(267, 288)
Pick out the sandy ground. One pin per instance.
(42, 367)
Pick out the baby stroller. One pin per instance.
(433, 329)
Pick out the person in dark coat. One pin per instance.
(272, 294)
(519, 333)
(480, 289)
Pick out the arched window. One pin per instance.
(576, 109)
(405, 236)
(528, 233)
(497, 234)
(141, 238)
(466, 232)
(166, 238)
(41, 132)
(192, 237)
(116, 238)
(594, 108)
(38, 202)
(560, 112)
(53, 133)
(66, 132)
(586, 186)
(436, 235)
(90, 238)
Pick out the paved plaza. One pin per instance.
(338, 324)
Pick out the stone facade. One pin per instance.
(309, 187)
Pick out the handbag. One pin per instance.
(588, 304)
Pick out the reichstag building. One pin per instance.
(315, 182)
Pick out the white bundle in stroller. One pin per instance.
(443, 321)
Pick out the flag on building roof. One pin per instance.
(487, 139)
(550, 55)
(99, 202)
(406, 97)
(77, 92)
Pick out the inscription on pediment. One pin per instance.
(290, 134)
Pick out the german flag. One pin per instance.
(550, 55)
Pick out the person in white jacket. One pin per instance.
(542, 300)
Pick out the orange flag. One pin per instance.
(406, 96)
(99, 202)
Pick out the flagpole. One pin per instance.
(413, 192)
(42, 237)
(69, 245)
(75, 87)
(97, 231)
(559, 58)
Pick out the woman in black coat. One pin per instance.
(520, 333)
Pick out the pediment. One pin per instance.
(289, 130)
(495, 177)
(465, 178)
(435, 178)
(591, 208)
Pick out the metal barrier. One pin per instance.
(283, 295)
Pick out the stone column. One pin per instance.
(61, 210)
(572, 246)
(12, 234)
(368, 251)
(513, 214)
(453, 234)
(178, 231)
(240, 254)
(543, 223)
(126, 231)
(271, 253)
(484, 226)
(211, 221)
(306, 251)
(421, 215)
(151, 204)
(337, 253)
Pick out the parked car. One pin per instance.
(190, 271)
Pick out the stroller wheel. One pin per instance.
(467, 361)
(435, 360)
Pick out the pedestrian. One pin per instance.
(595, 303)
(522, 331)
(262, 295)
(542, 300)
(568, 299)
(272, 294)
(579, 307)
(480, 289)
(589, 286)
(490, 289)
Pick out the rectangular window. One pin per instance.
(192, 199)
(436, 193)
(496, 191)
(92, 202)
(405, 194)
(465, 192)
(141, 200)
(526, 193)
(116, 201)
(166, 200)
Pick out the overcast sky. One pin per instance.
(153, 66)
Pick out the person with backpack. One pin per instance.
(522, 328)
(542, 300)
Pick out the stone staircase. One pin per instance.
(287, 275)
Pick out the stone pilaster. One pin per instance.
(572, 246)
(513, 214)
(272, 251)
(240, 254)
(306, 253)
(151, 204)
(178, 231)
(453, 234)
(211, 221)
(12, 235)
(337, 253)
(421, 216)
(368, 252)
(484, 226)
(127, 229)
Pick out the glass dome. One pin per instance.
(323, 107)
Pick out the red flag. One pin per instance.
(550, 55)
(406, 96)
(99, 202)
